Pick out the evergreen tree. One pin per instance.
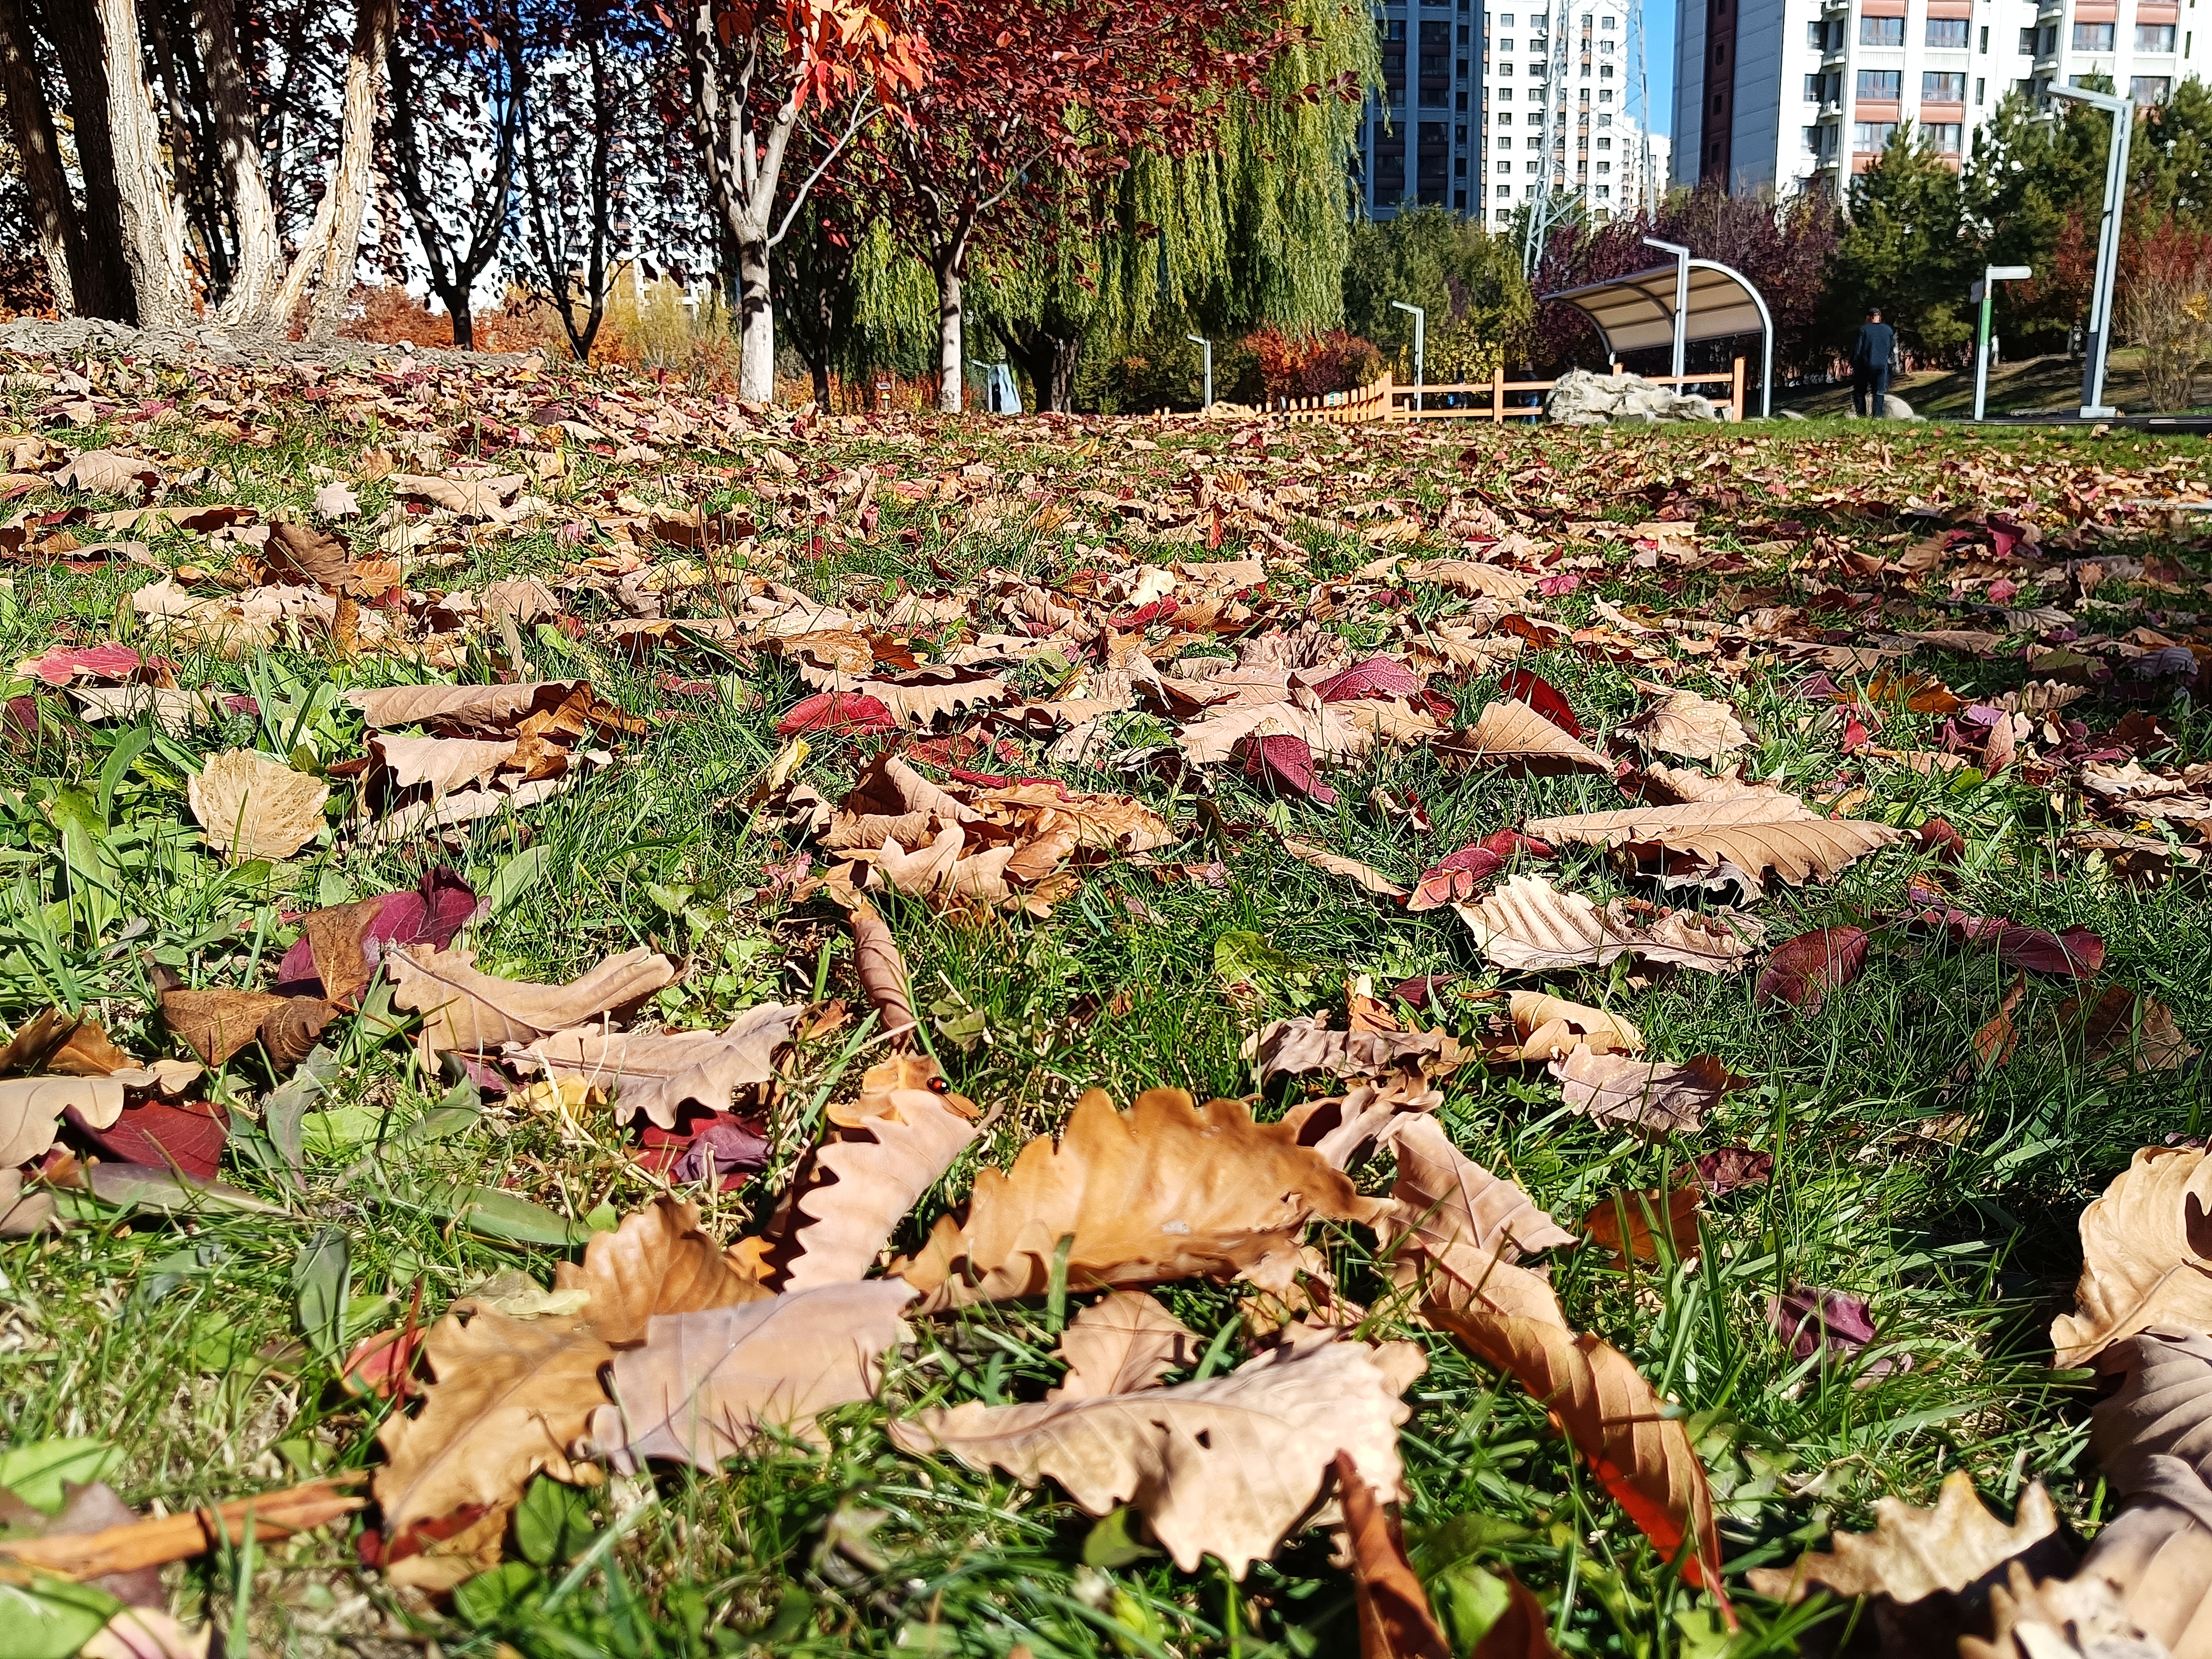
(1907, 248)
(1467, 280)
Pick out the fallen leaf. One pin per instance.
(139, 1544)
(1647, 1095)
(1284, 762)
(1295, 1047)
(1551, 1028)
(705, 1384)
(477, 1013)
(1724, 1171)
(1443, 1200)
(1804, 970)
(1996, 1037)
(1642, 1456)
(1394, 1620)
(109, 472)
(1528, 924)
(1683, 724)
(1366, 875)
(144, 1632)
(1512, 733)
(336, 500)
(847, 712)
(1166, 1190)
(1224, 1466)
(1541, 695)
(1753, 833)
(256, 807)
(2146, 1254)
(656, 1262)
(656, 1074)
(2084, 1617)
(1811, 1320)
(31, 1111)
(2125, 1032)
(1338, 1129)
(1125, 1342)
(1631, 1224)
(462, 710)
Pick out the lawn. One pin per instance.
(1857, 596)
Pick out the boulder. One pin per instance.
(1894, 408)
(1579, 397)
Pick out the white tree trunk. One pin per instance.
(251, 300)
(327, 257)
(757, 325)
(951, 347)
(153, 222)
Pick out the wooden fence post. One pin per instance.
(1498, 395)
(1735, 391)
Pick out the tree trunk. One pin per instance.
(465, 322)
(1049, 360)
(951, 350)
(327, 257)
(54, 212)
(102, 284)
(822, 382)
(757, 325)
(152, 227)
(251, 300)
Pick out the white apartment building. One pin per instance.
(1786, 96)
(1465, 123)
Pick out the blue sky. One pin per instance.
(1659, 62)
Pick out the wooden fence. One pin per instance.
(1385, 400)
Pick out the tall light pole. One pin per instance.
(1206, 345)
(1985, 291)
(2100, 339)
(1681, 300)
(1420, 350)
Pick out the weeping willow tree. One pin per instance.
(1253, 229)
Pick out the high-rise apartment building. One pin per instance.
(1794, 95)
(1465, 84)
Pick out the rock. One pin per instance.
(1579, 397)
(1898, 410)
(1789, 415)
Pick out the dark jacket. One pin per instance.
(1875, 346)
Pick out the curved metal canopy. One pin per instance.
(1637, 312)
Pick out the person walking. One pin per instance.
(1871, 354)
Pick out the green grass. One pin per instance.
(1946, 1196)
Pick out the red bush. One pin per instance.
(1311, 367)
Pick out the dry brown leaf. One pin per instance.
(882, 970)
(461, 709)
(301, 553)
(474, 1013)
(31, 1111)
(1750, 833)
(1366, 875)
(1523, 1631)
(865, 1178)
(481, 497)
(706, 1383)
(1630, 1224)
(1651, 1096)
(1913, 1553)
(216, 1023)
(1678, 785)
(1528, 924)
(509, 1399)
(918, 698)
(1338, 1128)
(1166, 1190)
(2146, 1254)
(658, 1261)
(133, 1545)
(1461, 1280)
(1551, 1028)
(444, 764)
(256, 807)
(1683, 724)
(2123, 1031)
(1510, 731)
(1395, 1619)
(2084, 1617)
(1293, 1048)
(1642, 1456)
(1123, 1343)
(1472, 579)
(1224, 1466)
(892, 802)
(1444, 1201)
(656, 1074)
(22, 1215)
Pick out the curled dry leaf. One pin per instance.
(1996, 1037)
(868, 1174)
(658, 1261)
(133, 1545)
(1224, 1466)
(1913, 1553)
(1804, 970)
(657, 1074)
(1293, 1048)
(882, 970)
(1338, 1129)
(31, 1111)
(23, 1216)
(1394, 1620)
(1120, 1344)
(2146, 1254)
(256, 807)
(1528, 924)
(508, 1399)
(1512, 734)
(475, 1012)
(705, 1384)
(1753, 833)
(1632, 1225)
(1366, 875)
(1650, 1096)
(1166, 1190)
(1443, 1200)
(1552, 1028)
(2084, 1617)
(1683, 724)
(461, 710)
(2124, 1031)
(1642, 1456)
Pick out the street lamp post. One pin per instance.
(1681, 303)
(2098, 339)
(1985, 291)
(1420, 351)
(1206, 346)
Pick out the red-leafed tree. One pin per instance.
(760, 69)
(1027, 102)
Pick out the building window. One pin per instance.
(1985, 40)
(1505, 141)
(1604, 192)
(1459, 199)
(2093, 37)
(1947, 31)
(1816, 35)
(2154, 37)
(1881, 85)
(1812, 141)
(1506, 166)
(1881, 31)
(1942, 87)
(1605, 97)
(1604, 121)
(1981, 86)
(1870, 136)
(2150, 89)
(1946, 136)
(1604, 71)
(1605, 166)
(1605, 143)
(2027, 43)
